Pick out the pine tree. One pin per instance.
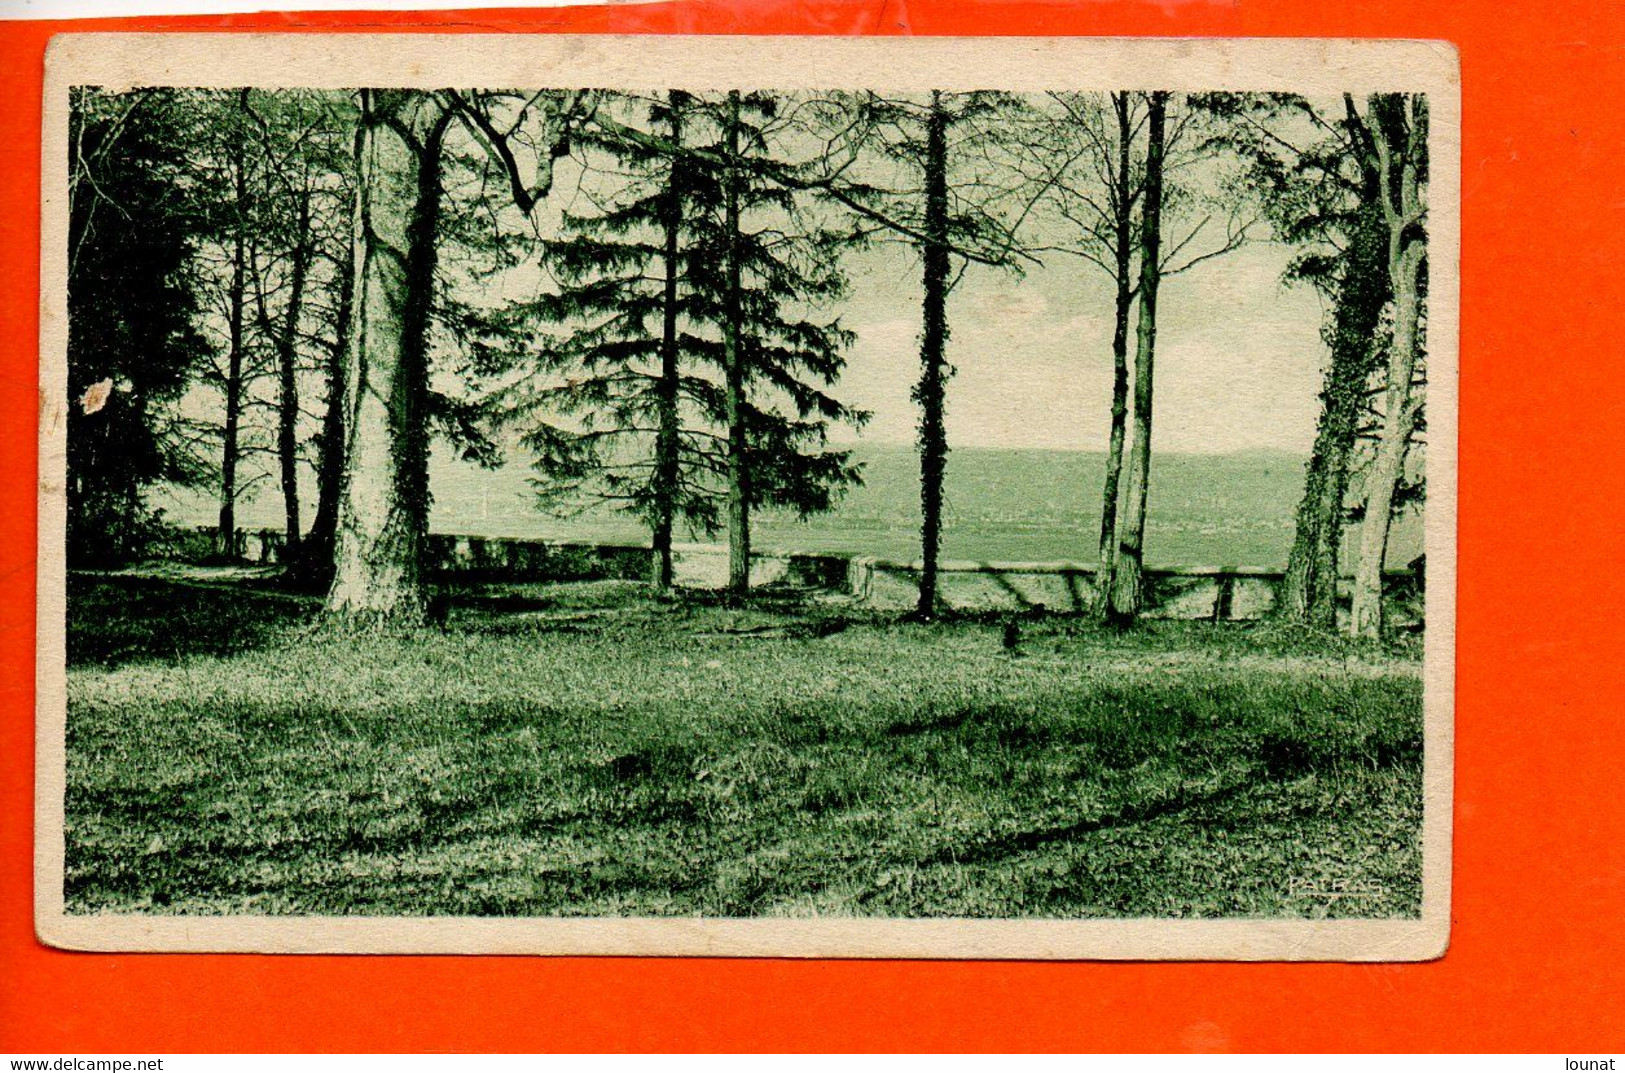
(693, 384)
(612, 404)
(765, 260)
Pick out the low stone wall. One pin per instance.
(480, 559)
(202, 545)
(473, 559)
(466, 558)
(1196, 592)
(1219, 593)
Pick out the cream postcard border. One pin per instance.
(1307, 66)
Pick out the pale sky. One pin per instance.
(1238, 362)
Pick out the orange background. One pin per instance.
(1537, 960)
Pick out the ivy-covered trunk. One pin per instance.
(384, 503)
(1128, 583)
(1401, 167)
(1309, 590)
(1399, 420)
(734, 369)
(930, 392)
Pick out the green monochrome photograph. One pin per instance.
(748, 496)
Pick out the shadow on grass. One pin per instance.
(113, 620)
(1009, 844)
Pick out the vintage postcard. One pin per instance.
(809, 497)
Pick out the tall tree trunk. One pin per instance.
(734, 361)
(931, 391)
(1407, 249)
(1128, 581)
(1123, 268)
(231, 447)
(288, 382)
(1399, 421)
(384, 502)
(1309, 589)
(315, 563)
(666, 440)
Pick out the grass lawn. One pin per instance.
(588, 750)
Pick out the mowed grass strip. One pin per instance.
(589, 750)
